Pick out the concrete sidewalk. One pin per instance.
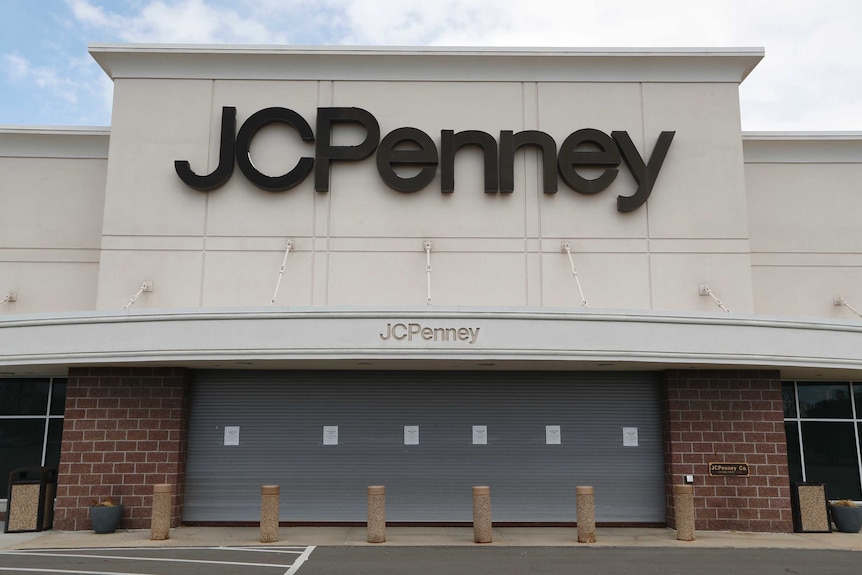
(431, 536)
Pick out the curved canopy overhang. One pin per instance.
(429, 338)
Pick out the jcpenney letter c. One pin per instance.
(243, 144)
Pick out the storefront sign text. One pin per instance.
(739, 469)
(411, 331)
(414, 149)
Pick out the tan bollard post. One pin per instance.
(482, 514)
(376, 514)
(683, 510)
(269, 513)
(160, 523)
(586, 504)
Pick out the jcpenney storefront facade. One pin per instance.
(432, 269)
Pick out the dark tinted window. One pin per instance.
(23, 396)
(58, 397)
(830, 457)
(794, 456)
(20, 446)
(828, 401)
(55, 439)
(787, 395)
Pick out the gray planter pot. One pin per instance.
(847, 519)
(106, 519)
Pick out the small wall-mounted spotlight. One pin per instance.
(839, 301)
(146, 286)
(704, 289)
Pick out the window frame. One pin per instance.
(47, 417)
(855, 419)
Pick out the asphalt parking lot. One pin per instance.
(577, 561)
(476, 560)
(158, 561)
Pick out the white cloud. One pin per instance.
(536, 22)
(86, 13)
(421, 22)
(16, 66)
(43, 77)
(184, 21)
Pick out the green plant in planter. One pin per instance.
(846, 515)
(105, 515)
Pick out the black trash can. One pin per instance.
(30, 503)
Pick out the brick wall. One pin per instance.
(124, 431)
(728, 416)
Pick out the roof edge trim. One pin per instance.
(425, 63)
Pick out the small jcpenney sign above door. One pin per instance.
(401, 332)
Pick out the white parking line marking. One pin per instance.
(298, 551)
(167, 560)
(296, 548)
(300, 560)
(34, 570)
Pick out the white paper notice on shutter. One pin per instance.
(480, 435)
(553, 435)
(231, 435)
(330, 435)
(411, 435)
(630, 436)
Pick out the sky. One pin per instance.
(809, 80)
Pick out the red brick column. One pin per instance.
(124, 430)
(728, 416)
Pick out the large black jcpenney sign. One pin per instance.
(410, 147)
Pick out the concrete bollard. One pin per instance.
(269, 513)
(376, 514)
(160, 524)
(683, 511)
(586, 504)
(482, 514)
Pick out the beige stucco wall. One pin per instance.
(52, 191)
(804, 206)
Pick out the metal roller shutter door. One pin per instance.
(281, 416)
